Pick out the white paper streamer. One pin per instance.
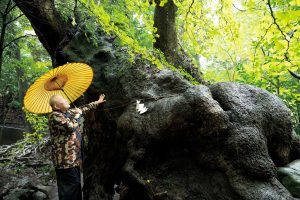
(140, 107)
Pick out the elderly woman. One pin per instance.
(66, 143)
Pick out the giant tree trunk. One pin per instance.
(194, 142)
(53, 32)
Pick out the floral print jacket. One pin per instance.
(66, 137)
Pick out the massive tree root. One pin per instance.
(222, 141)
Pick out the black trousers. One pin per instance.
(69, 184)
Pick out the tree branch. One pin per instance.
(189, 10)
(75, 11)
(14, 40)
(263, 51)
(11, 8)
(187, 13)
(7, 8)
(275, 20)
(49, 26)
(294, 74)
(286, 36)
(254, 56)
(238, 8)
(14, 19)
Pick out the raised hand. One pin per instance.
(77, 111)
(101, 99)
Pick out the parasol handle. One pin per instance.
(68, 97)
(61, 88)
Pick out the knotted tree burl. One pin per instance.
(221, 141)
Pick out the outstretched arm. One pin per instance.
(93, 105)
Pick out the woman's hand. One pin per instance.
(101, 99)
(77, 111)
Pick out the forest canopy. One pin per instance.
(253, 42)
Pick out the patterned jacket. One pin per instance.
(66, 137)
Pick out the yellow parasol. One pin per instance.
(70, 80)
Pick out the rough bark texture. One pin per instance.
(167, 42)
(194, 142)
(164, 21)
